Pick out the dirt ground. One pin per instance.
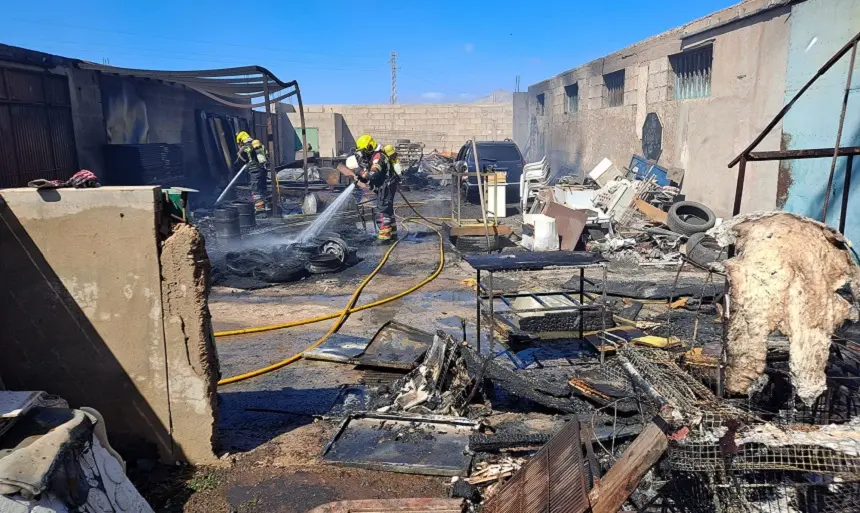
(271, 428)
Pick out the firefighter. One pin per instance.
(377, 170)
(394, 158)
(253, 153)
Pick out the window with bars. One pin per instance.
(541, 104)
(571, 96)
(614, 84)
(692, 71)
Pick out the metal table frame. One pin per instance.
(488, 294)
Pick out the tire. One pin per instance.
(702, 249)
(324, 263)
(689, 217)
(280, 273)
(244, 263)
(478, 243)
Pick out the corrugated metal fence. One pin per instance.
(37, 138)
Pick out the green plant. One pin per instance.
(202, 482)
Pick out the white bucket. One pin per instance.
(546, 233)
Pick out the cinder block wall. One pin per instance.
(443, 127)
(92, 312)
(699, 135)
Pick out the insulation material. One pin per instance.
(841, 438)
(785, 278)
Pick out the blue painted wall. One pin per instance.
(818, 29)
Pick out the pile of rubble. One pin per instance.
(637, 215)
(635, 417)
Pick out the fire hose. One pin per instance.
(343, 314)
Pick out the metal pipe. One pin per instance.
(270, 146)
(478, 310)
(603, 317)
(846, 191)
(492, 321)
(815, 153)
(230, 185)
(839, 134)
(827, 65)
(481, 192)
(739, 188)
(304, 136)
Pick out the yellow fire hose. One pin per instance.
(341, 316)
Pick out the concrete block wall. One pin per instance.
(443, 127)
(103, 308)
(699, 135)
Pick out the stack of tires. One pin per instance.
(693, 220)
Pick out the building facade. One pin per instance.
(695, 96)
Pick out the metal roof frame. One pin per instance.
(234, 87)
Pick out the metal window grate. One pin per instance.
(571, 94)
(614, 83)
(541, 104)
(693, 73)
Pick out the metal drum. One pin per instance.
(227, 222)
(316, 202)
(247, 216)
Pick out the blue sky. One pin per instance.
(448, 51)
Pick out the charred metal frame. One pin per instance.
(487, 295)
(234, 87)
(748, 155)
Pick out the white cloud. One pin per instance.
(469, 47)
(466, 96)
(433, 96)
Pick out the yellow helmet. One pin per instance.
(242, 136)
(365, 143)
(389, 150)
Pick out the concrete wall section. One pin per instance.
(818, 29)
(82, 316)
(443, 127)
(699, 135)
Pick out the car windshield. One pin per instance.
(498, 152)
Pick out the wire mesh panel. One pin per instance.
(760, 492)
(553, 481)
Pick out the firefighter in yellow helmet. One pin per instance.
(377, 169)
(253, 153)
(394, 158)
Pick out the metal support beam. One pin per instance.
(815, 153)
(846, 191)
(776, 119)
(270, 146)
(304, 138)
(828, 191)
(739, 188)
